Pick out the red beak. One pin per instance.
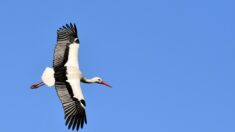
(106, 84)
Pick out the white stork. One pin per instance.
(66, 77)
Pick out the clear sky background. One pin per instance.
(170, 62)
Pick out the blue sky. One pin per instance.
(171, 64)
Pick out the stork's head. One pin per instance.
(100, 81)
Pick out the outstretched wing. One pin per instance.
(66, 35)
(74, 108)
(67, 77)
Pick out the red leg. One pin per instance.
(37, 85)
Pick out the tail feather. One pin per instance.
(48, 77)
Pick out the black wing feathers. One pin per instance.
(67, 33)
(75, 114)
(74, 109)
(65, 36)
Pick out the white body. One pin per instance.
(73, 73)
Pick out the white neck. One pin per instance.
(85, 80)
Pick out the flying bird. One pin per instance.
(66, 77)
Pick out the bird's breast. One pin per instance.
(73, 73)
